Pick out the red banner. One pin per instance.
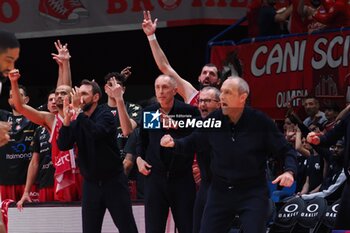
(280, 70)
(43, 18)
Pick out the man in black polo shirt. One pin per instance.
(94, 132)
(240, 150)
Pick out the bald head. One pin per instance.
(234, 92)
(165, 88)
(166, 78)
(242, 85)
(60, 93)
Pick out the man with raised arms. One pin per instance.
(69, 189)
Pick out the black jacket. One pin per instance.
(240, 151)
(95, 136)
(164, 160)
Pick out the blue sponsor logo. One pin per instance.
(19, 148)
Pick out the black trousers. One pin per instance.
(112, 195)
(199, 204)
(250, 201)
(162, 193)
(343, 216)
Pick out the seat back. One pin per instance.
(331, 214)
(313, 212)
(287, 216)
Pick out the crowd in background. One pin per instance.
(271, 18)
(37, 166)
(320, 171)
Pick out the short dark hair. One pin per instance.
(340, 142)
(52, 91)
(218, 72)
(8, 40)
(311, 97)
(210, 65)
(118, 76)
(332, 106)
(213, 65)
(20, 86)
(95, 87)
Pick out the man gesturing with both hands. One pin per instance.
(94, 132)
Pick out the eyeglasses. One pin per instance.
(206, 101)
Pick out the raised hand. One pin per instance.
(126, 72)
(148, 26)
(114, 90)
(68, 111)
(62, 53)
(76, 98)
(14, 75)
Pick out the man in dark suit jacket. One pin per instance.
(169, 181)
(240, 147)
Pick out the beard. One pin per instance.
(201, 85)
(59, 103)
(338, 159)
(59, 106)
(87, 107)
